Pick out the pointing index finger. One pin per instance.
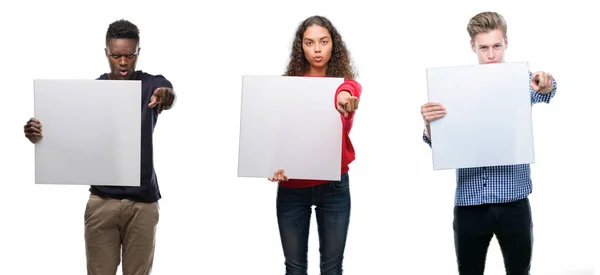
(153, 101)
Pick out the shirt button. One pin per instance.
(485, 177)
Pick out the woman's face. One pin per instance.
(317, 46)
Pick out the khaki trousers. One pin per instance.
(115, 226)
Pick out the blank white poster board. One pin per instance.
(290, 123)
(91, 132)
(488, 120)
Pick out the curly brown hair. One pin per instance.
(339, 65)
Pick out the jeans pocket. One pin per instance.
(519, 205)
(343, 184)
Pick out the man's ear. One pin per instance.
(473, 46)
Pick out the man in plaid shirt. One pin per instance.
(493, 200)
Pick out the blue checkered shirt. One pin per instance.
(496, 184)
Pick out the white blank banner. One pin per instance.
(290, 123)
(91, 132)
(488, 120)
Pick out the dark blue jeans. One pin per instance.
(332, 207)
(474, 227)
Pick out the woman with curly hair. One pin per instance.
(319, 51)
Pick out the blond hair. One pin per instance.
(486, 22)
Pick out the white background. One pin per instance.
(214, 223)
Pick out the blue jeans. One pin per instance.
(474, 227)
(332, 207)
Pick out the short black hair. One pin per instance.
(122, 29)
